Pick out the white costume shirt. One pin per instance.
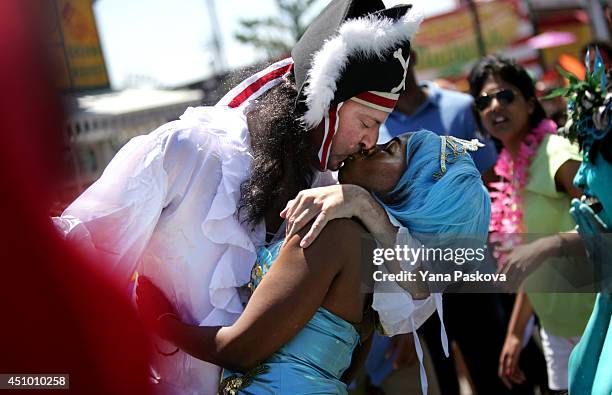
(166, 206)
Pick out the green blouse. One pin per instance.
(545, 212)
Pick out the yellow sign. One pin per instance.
(77, 46)
(446, 44)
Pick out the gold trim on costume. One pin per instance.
(232, 384)
(457, 147)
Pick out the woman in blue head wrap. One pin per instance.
(432, 195)
(307, 319)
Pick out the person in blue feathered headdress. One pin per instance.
(589, 123)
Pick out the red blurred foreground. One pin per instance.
(58, 314)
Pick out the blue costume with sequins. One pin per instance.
(310, 363)
(590, 364)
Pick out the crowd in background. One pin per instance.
(502, 343)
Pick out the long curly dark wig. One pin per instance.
(282, 153)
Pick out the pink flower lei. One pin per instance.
(506, 200)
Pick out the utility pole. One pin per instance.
(219, 64)
(533, 19)
(482, 51)
(599, 24)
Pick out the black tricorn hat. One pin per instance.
(352, 47)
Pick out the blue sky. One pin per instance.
(168, 41)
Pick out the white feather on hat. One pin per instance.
(368, 36)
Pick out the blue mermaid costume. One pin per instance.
(311, 363)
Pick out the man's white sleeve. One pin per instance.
(117, 214)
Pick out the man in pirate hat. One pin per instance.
(189, 204)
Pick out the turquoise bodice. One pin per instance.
(310, 363)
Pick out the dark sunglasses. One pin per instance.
(504, 96)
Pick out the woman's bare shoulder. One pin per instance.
(338, 233)
(340, 238)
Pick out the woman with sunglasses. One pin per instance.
(535, 169)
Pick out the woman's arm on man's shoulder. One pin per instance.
(324, 204)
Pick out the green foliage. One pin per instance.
(277, 34)
(586, 99)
